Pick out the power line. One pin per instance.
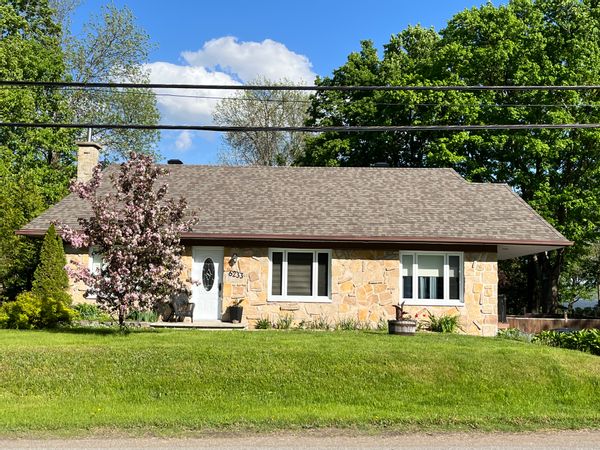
(309, 129)
(275, 100)
(295, 87)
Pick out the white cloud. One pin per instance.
(249, 60)
(184, 140)
(224, 61)
(187, 106)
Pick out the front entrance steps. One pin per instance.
(201, 325)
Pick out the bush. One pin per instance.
(514, 334)
(582, 340)
(320, 323)
(263, 324)
(89, 311)
(143, 315)
(444, 324)
(32, 311)
(284, 323)
(50, 278)
(23, 313)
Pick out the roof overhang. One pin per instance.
(506, 249)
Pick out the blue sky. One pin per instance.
(206, 42)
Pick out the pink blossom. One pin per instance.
(137, 233)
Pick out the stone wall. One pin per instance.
(481, 294)
(364, 287)
(78, 289)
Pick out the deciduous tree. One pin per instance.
(112, 48)
(136, 229)
(35, 164)
(262, 108)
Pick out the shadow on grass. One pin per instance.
(103, 331)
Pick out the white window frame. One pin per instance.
(446, 301)
(315, 270)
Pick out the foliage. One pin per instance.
(30, 310)
(50, 278)
(20, 201)
(263, 324)
(113, 48)
(581, 278)
(382, 324)
(292, 380)
(35, 164)
(526, 42)
(586, 313)
(136, 229)
(320, 323)
(88, 311)
(143, 315)
(583, 340)
(284, 322)
(444, 323)
(514, 334)
(23, 313)
(262, 108)
(347, 324)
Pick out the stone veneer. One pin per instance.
(365, 286)
(78, 289)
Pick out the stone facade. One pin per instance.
(364, 287)
(78, 289)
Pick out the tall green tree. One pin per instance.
(50, 279)
(35, 164)
(526, 42)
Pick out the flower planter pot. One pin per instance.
(404, 327)
(235, 314)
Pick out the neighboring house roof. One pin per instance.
(336, 204)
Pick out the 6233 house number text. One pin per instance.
(236, 274)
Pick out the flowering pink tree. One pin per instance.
(137, 231)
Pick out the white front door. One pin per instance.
(207, 277)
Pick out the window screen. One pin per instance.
(299, 271)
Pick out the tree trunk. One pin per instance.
(122, 316)
(550, 265)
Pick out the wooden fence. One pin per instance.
(535, 324)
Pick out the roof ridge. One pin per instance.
(220, 166)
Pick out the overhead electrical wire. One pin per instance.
(11, 84)
(309, 129)
(247, 87)
(275, 100)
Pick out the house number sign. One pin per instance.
(236, 274)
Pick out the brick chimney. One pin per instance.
(88, 155)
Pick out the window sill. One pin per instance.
(426, 302)
(299, 300)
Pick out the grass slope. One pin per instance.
(173, 381)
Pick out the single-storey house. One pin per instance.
(338, 242)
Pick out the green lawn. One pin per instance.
(173, 382)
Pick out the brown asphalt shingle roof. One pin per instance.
(326, 203)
